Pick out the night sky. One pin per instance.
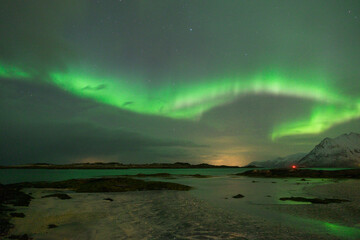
(221, 82)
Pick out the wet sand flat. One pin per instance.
(346, 214)
(142, 215)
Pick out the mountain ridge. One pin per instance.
(341, 151)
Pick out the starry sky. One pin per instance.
(221, 82)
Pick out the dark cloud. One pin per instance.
(99, 87)
(127, 103)
(59, 142)
(40, 123)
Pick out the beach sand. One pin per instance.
(172, 215)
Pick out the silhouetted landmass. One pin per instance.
(302, 173)
(163, 175)
(314, 200)
(52, 226)
(251, 166)
(20, 237)
(115, 165)
(118, 184)
(238, 196)
(168, 175)
(62, 196)
(19, 215)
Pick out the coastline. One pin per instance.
(141, 215)
(346, 214)
(115, 165)
(105, 208)
(165, 214)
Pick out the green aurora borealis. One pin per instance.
(191, 100)
(228, 83)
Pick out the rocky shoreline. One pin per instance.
(302, 173)
(159, 215)
(114, 184)
(11, 194)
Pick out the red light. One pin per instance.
(293, 166)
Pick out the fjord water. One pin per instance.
(8, 176)
(32, 175)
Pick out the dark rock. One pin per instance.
(116, 184)
(5, 226)
(273, 182)
(168, 175)
(254, 181)
(109, 199)
(19, 215)
(314, 200)
(303, 179)
(268, 195)
(20, 237)
(52, 226)
(12, 195)
(61, 196)
(6, 209)
(238, 196)
(302, 173)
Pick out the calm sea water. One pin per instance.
(31, 175)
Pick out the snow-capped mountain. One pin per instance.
(280, 162)
(342, 151)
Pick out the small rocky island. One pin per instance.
(108, 184)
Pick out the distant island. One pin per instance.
(114, 165)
